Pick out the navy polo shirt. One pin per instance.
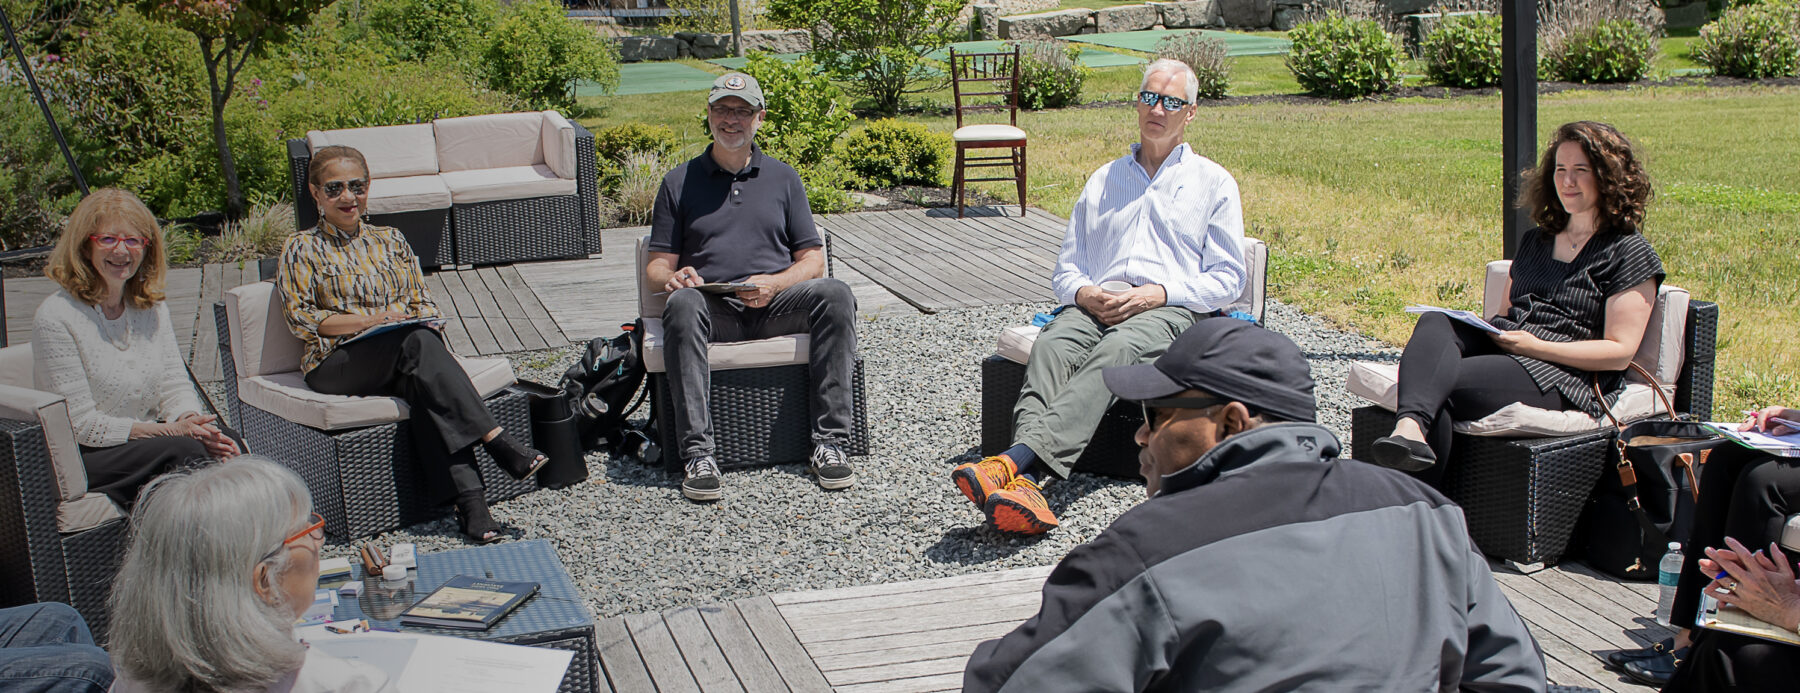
(730, 225)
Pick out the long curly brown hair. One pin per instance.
(1619, 171)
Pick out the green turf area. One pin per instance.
(1236, 44)
(653, 78)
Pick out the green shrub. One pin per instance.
(1205, 55)
(640, 178)
(1344, 58)
(116, 93)
(258, 235)
(417, 30)
(612, 145)
(186, 181)
(891, 152)
(825, 183)
(536, 54)
(805, 114)
(1611, 50)
(348, 96)
(1753, 42)
(1464, 51)
(181, 244)
(880, 45)
(35, 185)
(1049, 76)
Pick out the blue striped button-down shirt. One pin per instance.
(1183, 229)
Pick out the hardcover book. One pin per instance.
(469, 603)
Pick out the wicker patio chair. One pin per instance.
(1524, 494)
(59, 542)
(760, 395)
(1112, 451)
(355, 453)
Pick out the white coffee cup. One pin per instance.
(1115, 287)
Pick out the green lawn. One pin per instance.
(1408, 192)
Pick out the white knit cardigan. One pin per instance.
(112, 373)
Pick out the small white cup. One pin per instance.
(1115, 287)
(393, 572)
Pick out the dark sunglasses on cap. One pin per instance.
(1169, 103)
(1151, 405)
(335, 188)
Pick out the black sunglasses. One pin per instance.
(335, 188)
(1151, 405)
(1169, 103)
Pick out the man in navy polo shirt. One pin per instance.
(735, 215)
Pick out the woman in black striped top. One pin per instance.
(1580, 293)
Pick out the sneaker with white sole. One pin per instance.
(702, 482)
(832, 467)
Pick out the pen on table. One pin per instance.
(1776, 420)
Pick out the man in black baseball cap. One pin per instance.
(1260, 560)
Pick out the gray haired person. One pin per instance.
(223, 559)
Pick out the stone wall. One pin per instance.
(708, 46)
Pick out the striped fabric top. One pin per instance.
(326, 271)
(1566, 302)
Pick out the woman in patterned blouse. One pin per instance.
(104, 342)
(1580, 293)
(345, 277)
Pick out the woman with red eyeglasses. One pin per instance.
(104, 342)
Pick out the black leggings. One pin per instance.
(1453, 372)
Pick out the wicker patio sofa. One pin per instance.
(1522, 489)
(59, 542)
(473, 190)
(1112, 450)
(355, 453)
(760, 394)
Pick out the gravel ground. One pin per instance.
(634, 544)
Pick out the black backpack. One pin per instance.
(605, 386)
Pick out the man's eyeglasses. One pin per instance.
(335, 188)
(1151, 405)
(728, 111)
(108, 241)
(316, 530)
(1169, 103)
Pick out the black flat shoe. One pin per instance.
(1404, 454)
(1618, 659)
(478, 526)
(517, 460)
(1655, 670)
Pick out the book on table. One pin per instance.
(469, 603)
(1731, 619)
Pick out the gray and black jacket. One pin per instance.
(1269, 565)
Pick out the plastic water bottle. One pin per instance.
(1668, 572)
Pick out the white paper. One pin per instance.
(1462, 316)
(443, 664)
(1784, 446)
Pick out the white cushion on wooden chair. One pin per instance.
(393, 151)
(987, 132)
(77, 509)
(1378, 383)
(784, 350)
(287, 396)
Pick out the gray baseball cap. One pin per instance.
(739, 85)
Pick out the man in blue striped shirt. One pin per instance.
(1154, 243)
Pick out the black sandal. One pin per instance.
(515, 459)
(477, 525)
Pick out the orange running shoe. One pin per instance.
(978, 480)
(1020, 508)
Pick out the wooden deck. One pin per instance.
(934, 261)
(912, 637)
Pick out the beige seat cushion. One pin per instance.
(1377, 383)
(508, 183)
(1015, 343)
(394, 151)
(76, 509)
(287, 396)
(260, 340)
(558, 138)
(724, 356)
(408, 194)
(651, 299)
(499, 140)
(987, 133)
(16, 367)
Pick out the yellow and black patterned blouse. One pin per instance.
(326, 271)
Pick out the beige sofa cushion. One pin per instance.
(1015, 343)
(1377, 383)
(498, 140)
(260, 340)
(287, 396)
(1661, 352)
(651, 300)
(16, 367)
(408, 194)
(393, 151)
(51, 413)
(508, 183)
(559, 144)
(724, 356)
(87, 512)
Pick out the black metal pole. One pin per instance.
(1518, 105)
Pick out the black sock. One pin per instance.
(1022, 456)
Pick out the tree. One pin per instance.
(878, 44)
(230, 32)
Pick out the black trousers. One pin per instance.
(448, 416)
(120, 470)
(1746, 495)
(1731, 662)
(1453, 372)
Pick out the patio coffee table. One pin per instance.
(556, 617)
